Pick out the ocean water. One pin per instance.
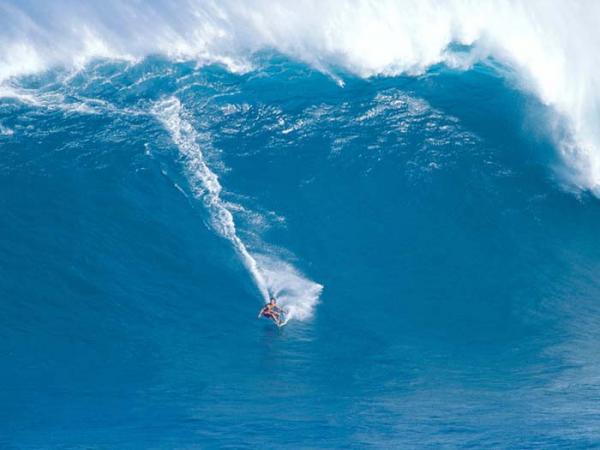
(425, 210)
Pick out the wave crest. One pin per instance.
(550, 45)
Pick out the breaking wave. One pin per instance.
(547, 47)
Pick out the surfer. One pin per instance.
(272, 311)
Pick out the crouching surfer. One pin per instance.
(272, 311)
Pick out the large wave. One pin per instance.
(550, 46)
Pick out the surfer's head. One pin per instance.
(273, 301)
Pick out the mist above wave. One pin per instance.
(549, 45)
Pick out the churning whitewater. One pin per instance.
(546, 47)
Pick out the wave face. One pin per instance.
(547, 47)
(442, 283)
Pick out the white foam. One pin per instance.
(272, 276)
(5, 131)
(551, 45)
(295, 293)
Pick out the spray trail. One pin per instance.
(271, 275)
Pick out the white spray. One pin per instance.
(551, 45)
(271, 275)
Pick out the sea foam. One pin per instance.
(550, 47)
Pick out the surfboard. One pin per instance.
(281, 323)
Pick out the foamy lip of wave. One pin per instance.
(551, 44)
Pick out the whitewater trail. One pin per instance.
(271, 275)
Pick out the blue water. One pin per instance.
(460, 276)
